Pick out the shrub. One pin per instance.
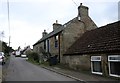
(33, 56)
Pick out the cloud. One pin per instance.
(22, 32)
(98, 1)
(119, 10)
(36, 1)
(29, 18)
(59, 0)
(102, 13)
(2, 16)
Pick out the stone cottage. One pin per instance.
(63, 36)
(97, 51)
(26, 50)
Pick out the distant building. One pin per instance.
(27, 50)
(63, 36)
(18, 51)
(97, 51)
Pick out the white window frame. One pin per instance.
(93, 59)
(113, 61)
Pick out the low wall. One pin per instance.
(77, 62)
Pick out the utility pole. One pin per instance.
(8, 21)
(1, 40)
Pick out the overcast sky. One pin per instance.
(29, 18)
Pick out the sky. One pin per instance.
(29, 18)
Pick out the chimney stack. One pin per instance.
(56, 25)
(44, 33)
(82, 11)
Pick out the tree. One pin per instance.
(5, 48)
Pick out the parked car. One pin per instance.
(23, 56)
(2, 58)
(17, 54)
(13, 53)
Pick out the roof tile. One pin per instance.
(103, 39)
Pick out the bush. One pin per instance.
(33, 56)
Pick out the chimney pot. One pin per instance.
(44, 33)
(56, 21)
(56, 25)
(82, 10)
(80, 4)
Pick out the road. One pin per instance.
(0, 73)
(21, 70)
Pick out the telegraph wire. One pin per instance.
(74, 3)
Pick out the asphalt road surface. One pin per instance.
(0, 72)
(21, 70)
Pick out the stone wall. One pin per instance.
(83, 62)
(73, 30)
(89, 23)
(78, 62)
(36, 48)
(53, 49)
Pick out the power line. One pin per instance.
(74, 3)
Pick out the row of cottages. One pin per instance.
(97, 51)
(62, 37)
(80, 45)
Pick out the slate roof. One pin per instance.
(50, 35)
(54, 32)
(103, 39)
